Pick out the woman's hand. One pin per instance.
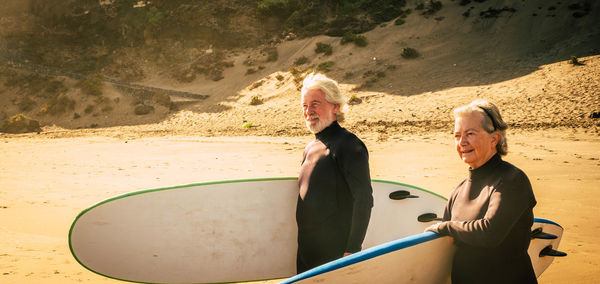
(433, 228)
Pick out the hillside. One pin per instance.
(514, 53)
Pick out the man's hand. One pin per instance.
(347, 253)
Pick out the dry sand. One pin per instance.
(46, 182)
(518, 61)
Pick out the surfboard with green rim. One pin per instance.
(219, 232)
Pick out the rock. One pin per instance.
(20, 124)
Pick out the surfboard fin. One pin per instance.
(539, 234)
(548, 251)
(428, 217)
(401, 194)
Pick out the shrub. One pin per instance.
(575, 61)
(279, 77)
(274, 8)
(354, 100)
(155, 16)
(91, 85)
(301, 60)
(256, 100)
(89, 109)
(295, 71)
(250, 71)
(323, 48)
(325, 66)
(359, 40)
(399, 22)
(432, 8)
(272, 54)
(61, 104)
(26, 104)
(409, 53)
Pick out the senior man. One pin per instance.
(335, 198)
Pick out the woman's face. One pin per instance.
(474, 145)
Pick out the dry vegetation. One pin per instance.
(255, 54)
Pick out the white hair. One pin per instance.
(316, 81)
(492, 120)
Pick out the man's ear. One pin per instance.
(336, 108)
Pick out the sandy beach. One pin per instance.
(46, 182)
(105, 134)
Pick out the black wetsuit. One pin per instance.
(490, 216)
(334, 215)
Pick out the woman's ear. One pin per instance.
(495, 138)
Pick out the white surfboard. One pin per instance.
(424, 258)
(226, 231)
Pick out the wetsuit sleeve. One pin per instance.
(355, 168)
(448, 210)
(511, 198)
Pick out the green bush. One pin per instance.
(323, 48)
(325, 66)
(399, 22)
(91, 85)
(409, 53)
(359, 40)
(281, 9)
(154, 16)
(300, 60)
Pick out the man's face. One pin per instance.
(318, 112)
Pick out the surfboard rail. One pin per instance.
(341, 269)
(367, 254)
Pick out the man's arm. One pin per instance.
(355, 167)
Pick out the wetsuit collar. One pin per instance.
(487, 168)
(328, 131)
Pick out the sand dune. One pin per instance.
(517, 60)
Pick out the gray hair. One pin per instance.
(492, 120)
(316, 81)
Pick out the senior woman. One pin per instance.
(490, 213)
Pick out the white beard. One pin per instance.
(319, 126)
